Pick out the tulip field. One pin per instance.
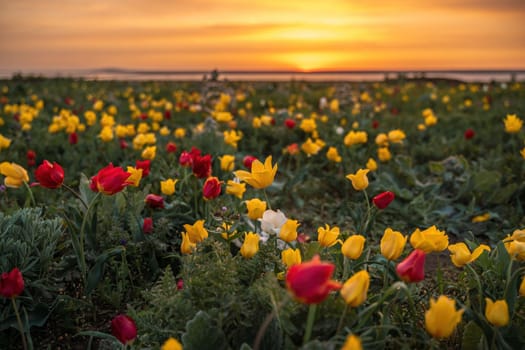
(262, 215)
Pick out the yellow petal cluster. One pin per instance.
(442, 317)
(429, 240)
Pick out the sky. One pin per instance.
(299, 35)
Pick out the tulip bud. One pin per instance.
(250, 247)
(392, 244)
(412, 269)
(497, 312)
(124, 329)
(154, 201)
(355, 289)
(147, 225)
(11, 283)
(352, 248)
(382, 200)
(442, 318)
(211, 188)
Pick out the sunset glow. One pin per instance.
(263, 35)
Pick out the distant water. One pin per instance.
(351, 76)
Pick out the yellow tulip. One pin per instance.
(460, 254)
(227, 162)
(196, 232)
(310, 147)
(353, 246)
(232, 137)
(481, 218)
(396, 136)
(15, 175)
(382, 139)
(4, 142)
(291, 257)
(167, 187)
(497, 312)
(308, 125)
(352, 342)
(235, 188)
(187, 246)
(442, 318)
(516, 250)
(522, 152)
(383, 154)
(171, 344)
(135, 177)
(371, 164)
(256, 208)
(522, 287)
(106, 134)
(261, 175)
(327, 236)
(355, 289)
(180, 133)
(288, 231)
(359, 179)
(355, 137)
(250, 247)
(392, 244)
(513, 124)
(333, 155)
(429, 240)
(149, 152)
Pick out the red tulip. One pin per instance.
(469, 133)
(147, 225)
(145, 165)
(123, 144)
(310, 281)
(110, 180)
(73, 138)
(180, 284)
(382, 200)
(375, 124)
(124, 328)
(289, 123)
(201, 166)
(211, 188)
(31, 156)
(171, 147)
(155, 201)
(11, 283)
(167, 114)
(185, 159)
(49, 175)
(412, 269)
(247, 161)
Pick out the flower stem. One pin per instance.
(342, 319)
(30, 193)
(19, 320)
(267, 200)
(309, 323)
(76, 194)
(82, 254)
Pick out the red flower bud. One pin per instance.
(412, 269)
(185, 159)
(124, 328)
(171, 147)
(469, 133)
(310, 282)
(375, 124)
(154, 201)
(11, 283)
(211, 188)
(145, 165)
(73, 138)
(123, 144)
(147, 225)
(110, 180)
(289, 123)
(382, 200)
(49, 175)
(247, 161)
(180, 284)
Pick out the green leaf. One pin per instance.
(436, 168)
(486, 181)
(97, 271)
(203, 333)
(503, 195)
(472, 336)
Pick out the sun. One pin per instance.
(310, 61)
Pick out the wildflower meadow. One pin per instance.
(262, 215)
